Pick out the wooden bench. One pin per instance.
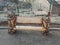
(12, 23)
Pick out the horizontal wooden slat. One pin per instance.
(35, 28)
(29, 19)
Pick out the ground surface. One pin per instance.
(29, 38)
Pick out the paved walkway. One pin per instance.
(29, 38)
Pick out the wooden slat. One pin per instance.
(35, 28)
(29, 19)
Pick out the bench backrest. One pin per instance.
(29, 19)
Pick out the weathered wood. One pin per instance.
(35, 28)
(29, 20)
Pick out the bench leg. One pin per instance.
(45, 27)
(11, 31)
(11, 25)
(45, 32)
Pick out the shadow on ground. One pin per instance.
(29, 38)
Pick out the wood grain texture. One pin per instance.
(29, 19)
(35, 28)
